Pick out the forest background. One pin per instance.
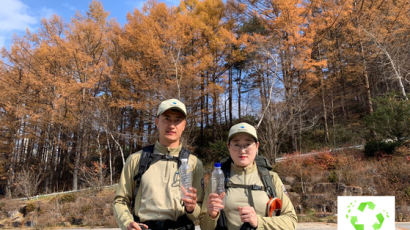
(78, 97)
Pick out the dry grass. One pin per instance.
(91, 209)
(385, 176)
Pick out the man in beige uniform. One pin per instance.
(245, 208)
(158, 203)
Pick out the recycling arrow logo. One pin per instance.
(365, 207)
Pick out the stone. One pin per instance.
(316, 178)
(370, 190)
(352, 191)
(295, 197)
(290, 179)
(12, 214)
(76, 221)
(15, 216)
(16, 224)
(65, 224)
(340, 188)
(300, 187)
(320, 202)
(324, 188)
(30, 223)
(299, 209)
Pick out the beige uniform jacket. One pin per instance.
(159, 194)
(239, 197)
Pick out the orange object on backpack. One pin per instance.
(273, 207)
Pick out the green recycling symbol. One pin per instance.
(362, 207)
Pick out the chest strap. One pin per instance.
(249, 186)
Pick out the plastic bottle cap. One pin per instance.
(217, 165)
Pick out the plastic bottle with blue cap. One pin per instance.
(218, 179)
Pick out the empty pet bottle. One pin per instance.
(185, 175)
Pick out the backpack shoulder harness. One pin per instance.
(263, 167)
(147, 158)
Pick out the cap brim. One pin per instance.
(174, 108)
(233, 134)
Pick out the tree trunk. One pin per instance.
(300, 131)
(202, 105)
(333, 119)
(100, 172)
(392, 63)
(214, 105)
(79, 148)
(366, 81)
(239, 92)
(261, 90)
(342, 79)
(140, 133)
(109, 152)
(323, 88)
(207, 104)
(230, 86)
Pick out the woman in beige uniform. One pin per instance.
(250, 202)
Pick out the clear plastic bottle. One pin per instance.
(185, 176)
(218, 179)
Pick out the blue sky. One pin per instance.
(18, 15)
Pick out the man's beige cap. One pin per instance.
(171, 104)
(242, 128)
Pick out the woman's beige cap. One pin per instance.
(171, 104)
(242, 127)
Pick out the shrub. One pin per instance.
(67, 198)
(30, 207)
(325, 160)
(84, 209)
(332, 178)
(373, 147)
(407, 192)
(391, 118)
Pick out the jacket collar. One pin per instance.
(167, 150)
(248, 169)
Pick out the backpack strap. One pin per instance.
(144, 163)
(226, 169)
(250, 186)
(147, 158)
(264, 168)
(221, 222)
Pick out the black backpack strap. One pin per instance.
(250, 186)
(147, 158)
(144, 163)
(264, 168)
(226, 169)
(221, 223)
